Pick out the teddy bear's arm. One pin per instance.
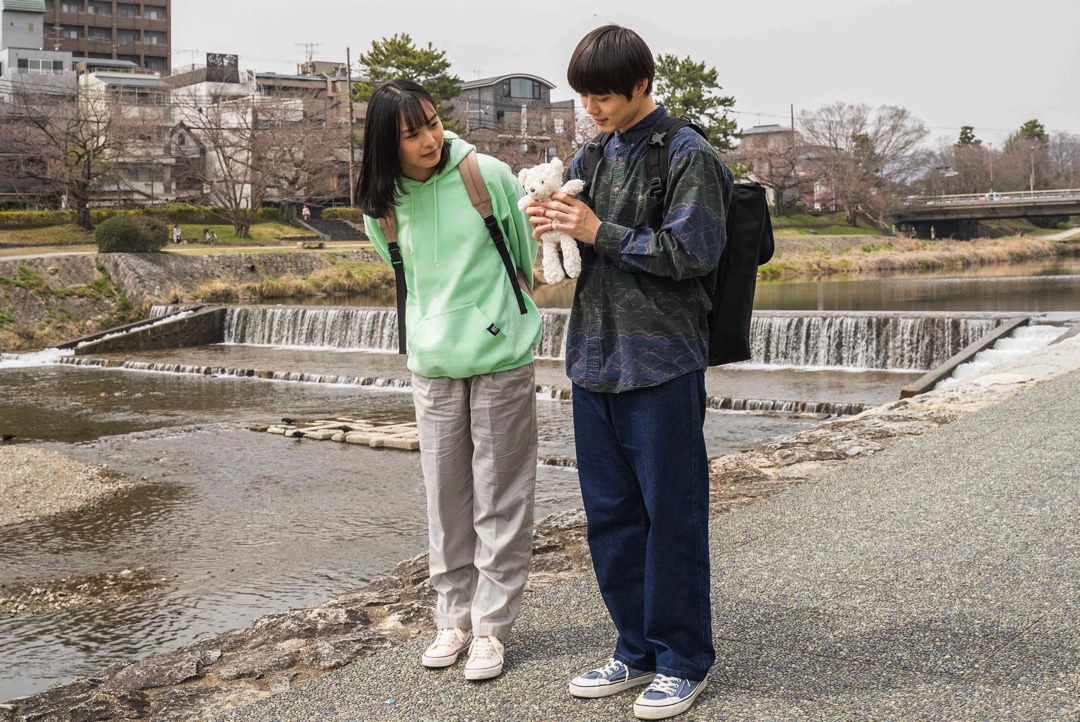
(573, 187)
(524, 202)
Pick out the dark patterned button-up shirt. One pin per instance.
(639, 312)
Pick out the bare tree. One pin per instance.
(1063, 159)
(68, 139)
(867, 155)
(778, 160)
(258, 147)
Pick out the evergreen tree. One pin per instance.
(690, 90)
(967, 136)
(398, 57)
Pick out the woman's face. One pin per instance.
(420, 149)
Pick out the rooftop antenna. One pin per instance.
(309, 53)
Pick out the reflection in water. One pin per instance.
(1025, 287)
(1035, 286)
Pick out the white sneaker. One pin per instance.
(485, 658)
(448, 644)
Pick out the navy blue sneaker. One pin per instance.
(612, 678)
(666, 697)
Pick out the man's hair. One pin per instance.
(611, 59)
(380, 172)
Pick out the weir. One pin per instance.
(908, 341)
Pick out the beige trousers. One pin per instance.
(478, 454)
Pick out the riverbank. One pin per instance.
(278, 652)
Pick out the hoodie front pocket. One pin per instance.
(459, 343)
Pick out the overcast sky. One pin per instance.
(993, 65)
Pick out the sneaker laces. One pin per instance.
(668, 686)
(447, 637)
(612, 667)
(485, 646)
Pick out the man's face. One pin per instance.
(613, 111)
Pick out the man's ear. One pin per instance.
(640, 86)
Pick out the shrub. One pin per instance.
(130, 234)
(344, 213)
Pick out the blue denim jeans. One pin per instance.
(645, 485)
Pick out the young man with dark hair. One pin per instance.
(636, 352)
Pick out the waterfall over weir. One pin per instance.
(908, 341)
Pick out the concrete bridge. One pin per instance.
(958, 215)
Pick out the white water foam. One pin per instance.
(1023, 340)
(38, 358)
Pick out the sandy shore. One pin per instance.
(36, 483)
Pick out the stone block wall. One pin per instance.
(200, 329)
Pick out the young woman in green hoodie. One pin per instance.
(470, 350)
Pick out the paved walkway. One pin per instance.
(938, 580)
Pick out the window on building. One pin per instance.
(523, 88)
(152, 38)
(34, 66)
(127, 37)
(99, 9)
(127, 10)
(71, 7)
(99, 33)
(155, 64)
(71, 32)
(154, 12)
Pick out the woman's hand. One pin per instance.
(564, 213)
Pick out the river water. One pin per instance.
(243, 523)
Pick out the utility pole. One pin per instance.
(352, 145)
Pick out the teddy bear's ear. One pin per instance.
(521, 175)
(557, 165)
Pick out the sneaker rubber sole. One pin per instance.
(606, 690)
(475, 675)
(668, 710)
(439, 662)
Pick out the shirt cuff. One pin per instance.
(609, 238)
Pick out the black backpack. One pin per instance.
(749, 241)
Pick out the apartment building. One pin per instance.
(513, 118)
(138, 32)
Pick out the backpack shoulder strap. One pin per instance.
(594, 153)
(481, 200)
(658, 146)
(388, 226)
(474, 184)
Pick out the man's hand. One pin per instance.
(564, 213)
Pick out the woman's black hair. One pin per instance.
(611, 59)
(380, 170)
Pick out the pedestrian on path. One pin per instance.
(305, 213)
(470, 350)
(636, 352)
(177, 235)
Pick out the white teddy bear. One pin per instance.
(539, 183)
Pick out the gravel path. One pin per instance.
(36, 483)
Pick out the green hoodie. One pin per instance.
(461, 315)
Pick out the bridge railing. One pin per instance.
(1069, 194)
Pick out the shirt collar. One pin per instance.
(641, 129)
